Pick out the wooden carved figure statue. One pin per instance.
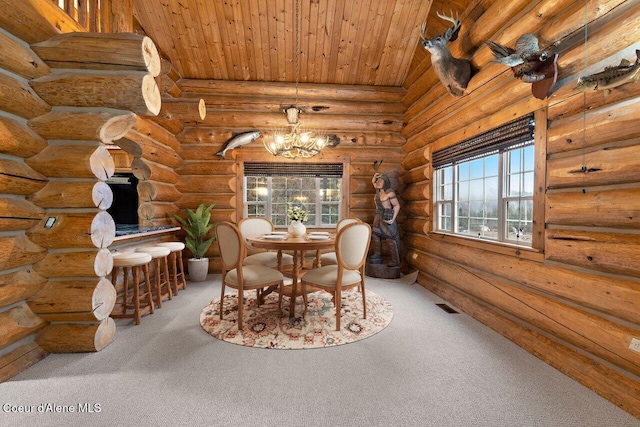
(384, 221)
(454, 73)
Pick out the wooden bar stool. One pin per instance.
(178, 280)
(134, 298)
(161, 285)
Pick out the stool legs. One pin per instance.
(178, 280)
(146, 295)
(133, 298)
(180, 277)
(161, 281)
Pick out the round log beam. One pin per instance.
(17, 323)
(16, 97)
(18, 139)
(77, 338)
(74, 194)
(136, 92)
(75, 230)
(145, 169)
(19, 251)
(104, 126)
(74, 300)
(100, 51)
(74, 161)
(19, 285)
(18, 214)
(89, 263)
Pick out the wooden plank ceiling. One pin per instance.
(349, 42)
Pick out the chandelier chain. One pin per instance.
(296, 142)
(297, 48)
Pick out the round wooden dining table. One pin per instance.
(297, 245)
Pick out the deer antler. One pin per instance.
(452, 32)
(451, 19)
(423, 31)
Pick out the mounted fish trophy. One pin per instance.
(454, 73)
(238, 141)
(611, 77)
(529, 63)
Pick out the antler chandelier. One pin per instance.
(297, 142)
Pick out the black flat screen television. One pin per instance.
(124, 209)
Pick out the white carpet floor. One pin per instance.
(427, 368)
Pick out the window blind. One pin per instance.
(293, 169)
(514, 134)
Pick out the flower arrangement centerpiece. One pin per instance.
(296, 213)
(296, 217)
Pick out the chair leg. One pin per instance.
(364, 300)
(240, 307)
(221, 297)
(280, 286)
(305, 301)
(304, 298)
(338, 305)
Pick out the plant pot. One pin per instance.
(297, 229)
(198, 269)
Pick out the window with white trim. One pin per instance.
(484, 186)
(271, 188)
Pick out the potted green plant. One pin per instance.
(197, 226)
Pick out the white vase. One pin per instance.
(198, 269)
(297, 229)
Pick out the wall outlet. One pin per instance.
(635, 344)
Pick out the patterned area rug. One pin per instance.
(265, 327)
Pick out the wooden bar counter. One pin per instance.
(142, 234)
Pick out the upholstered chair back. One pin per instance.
(345, 221)
(352, 245)
(255, 226)
(230, 244)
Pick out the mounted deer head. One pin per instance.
(454, 73)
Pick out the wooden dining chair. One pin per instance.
(257, 226)
(239, 276)
(352, 245)
(329, 258)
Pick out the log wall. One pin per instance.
(579, 287)
(19, 280)
(57, 128)
(367, 119)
